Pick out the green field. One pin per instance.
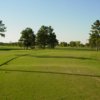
(59, 74)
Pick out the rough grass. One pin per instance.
(60, 74)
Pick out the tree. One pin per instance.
(2, 29)
(72, 43)
(63, 44)
(52, 41)
(28, 38)
(78, 43)
(42, 37)
(94, 39)
(46, 37)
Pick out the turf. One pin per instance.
(59, 74)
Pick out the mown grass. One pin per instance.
(59, 74)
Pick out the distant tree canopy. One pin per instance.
(75, 43)
(27, 38)
(42, 37)
(94, 39)
(2, 28)
(46, 37)
(63, 44)
(52, 41)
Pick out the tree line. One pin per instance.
(46, 37)
(93, 41)
(72, 44)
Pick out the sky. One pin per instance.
(71, 19)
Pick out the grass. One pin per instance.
(59, 74)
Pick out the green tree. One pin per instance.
(78, 43)
(63, 44)
(94, 39)
(52, 41)
(28, 38)
(72, 43)
(2, 29)
(42, 37)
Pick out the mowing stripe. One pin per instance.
(8, 61)
(49, 72)
(12, 60)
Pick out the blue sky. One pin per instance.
(71, 19)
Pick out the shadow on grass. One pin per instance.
(48, 72)
(9, 49)
(44, 56)
(8, 61)
(75, 48)
(5, 63)
(67, 57)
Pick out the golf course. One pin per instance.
(49, 50)
(49, 74)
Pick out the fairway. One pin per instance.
(59, 74)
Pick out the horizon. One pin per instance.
(70, 19)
